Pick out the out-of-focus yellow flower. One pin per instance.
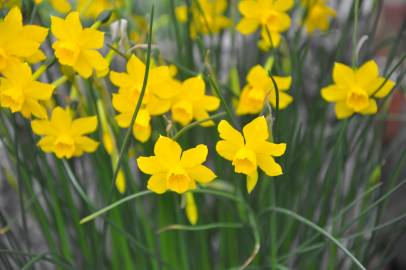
(207, 16)
(161, 88)
(37, 2)
(93, 8)
(173, 170)
(76, 46)
(65, 136)
(17, 41)
(319, 15)
(354, 91)
(10, 3)
(250, 150)
(62, 6)
(259, 88)
(20, 92)
(120, 182)
(191, 209)
(192, 103)
(270, 15)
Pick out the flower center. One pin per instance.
(178, 180)
(64, 146)
(245, 161)
(67, 52)
(182, 112)
(3, 59)
(357, 99)
(12, 98)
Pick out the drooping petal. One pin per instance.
(252, 180)
(268, 165)
(194, 156)
(157, 183)
(83, 125)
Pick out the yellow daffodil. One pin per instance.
(173, 170)
(207, 16)
(65, 136)
(157, 100)
(319, 15)
(76, 46)
(250, 150)
(19, 42)
(355, 90)
(260, 88)
(270, 15)
(20, 92)
(192, 103)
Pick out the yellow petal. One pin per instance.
(256, 131)
(120, 79)
(226, 149)
(372, 107)
(120, 182)
(367, 72)
(83, 125)
(91, 39)
(123, 120)
(151, 165)
(157, 183)
(284, 100)
(333, 93)
(283, 83)
(258, 77)
(210, 103)
(142, 133)
(268, 165)
(40, 91)
(250, 8)
(14, 17)
(195, 86)
(83, 66)
(252, 180)
(343, 74)
(136, 67)
(201, 174)
(86, 144)
(60, 119)
(273, 149)
(42, 127)
(194, 156)
(282, 5)
(167, 150)
(385, 88)
(95, 59)
(191, 209)
(47, 144)
(228, 133)
(247, 26)
(342, 110)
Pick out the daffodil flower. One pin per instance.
(260, 88)
(174, 170)
(20, 92)
(76, 46)
(355, 90)
(19, 42)
(161, 88)
(319, 15)
(192, 103)
(250, 150)
(64, 136)
(270, 15)
(207, 17)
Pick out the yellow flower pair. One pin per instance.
(186, 100)
(178, 171)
